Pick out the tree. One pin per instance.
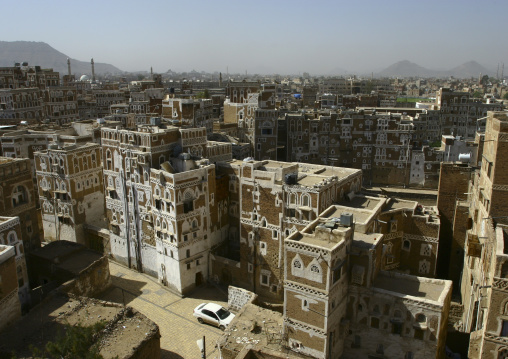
(477, 94)
(485, 80)
(203, 94)
(505, 96)
(76, 341)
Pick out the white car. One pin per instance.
(213, 314)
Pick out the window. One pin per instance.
(19, 196)
(188, 206)
(396, 327)
(406, 245)
(297, 264)
(374, 322)
(426, 249)
(315, 269)
(264, 279)
(188, 253)
(12, 237)
(424, 267)
(305, 305)
(421, 318)
(337, 272)
(188, 266)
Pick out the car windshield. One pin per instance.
(223, 313)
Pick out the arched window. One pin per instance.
(305, 200)
(297, 268)
(12, 237)
(314, 272)
(292, 198)
(421, 318)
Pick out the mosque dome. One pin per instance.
(84, 78)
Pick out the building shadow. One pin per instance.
(122, 290)
(210, 292)
(166, 354)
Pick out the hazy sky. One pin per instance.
(265, 36)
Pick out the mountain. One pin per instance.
(406, 68)
(43, 55)
(409, 69)
(470, 69)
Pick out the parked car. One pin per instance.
(213, 314)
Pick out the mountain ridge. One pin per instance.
(406, 68)
(42, 54)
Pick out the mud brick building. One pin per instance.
(10, 235)
(459, 112)
(61, 104)
(268, 201)
(340, 303)
(18, 198)
(10, 306)
(160, 201)
(189, 112)
(485, 273)
(21, 104)
(453, 188)
(70, 190)
(239, 91)
(105, 98)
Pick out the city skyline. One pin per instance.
(321, 37)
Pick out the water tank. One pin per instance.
(465, 157)
(155, 121)
(346, 219)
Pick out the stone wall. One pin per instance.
(10, 309)
(91, 281)
(238, 297)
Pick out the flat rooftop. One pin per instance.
(400, 204)
(126, 327)
(69, 256)
(366, 240)
(250, 328)
(362, 202)
(406, 285)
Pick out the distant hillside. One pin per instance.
(406, 68)
(410, 69)
(470, 69)
(41, 54)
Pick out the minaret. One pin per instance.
(93, 71)
(69, 67)
(220, 79)
(151, 72)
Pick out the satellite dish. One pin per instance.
(177, 150)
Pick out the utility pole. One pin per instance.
(202, 347)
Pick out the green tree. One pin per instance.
(76, 341)
(477, 94)
(505, 96)
(203, 94)
(485, 80)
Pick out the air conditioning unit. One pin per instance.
(346, 219)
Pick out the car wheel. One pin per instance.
(200, 320)
(222, 327)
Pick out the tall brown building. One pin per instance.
(18, 198)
